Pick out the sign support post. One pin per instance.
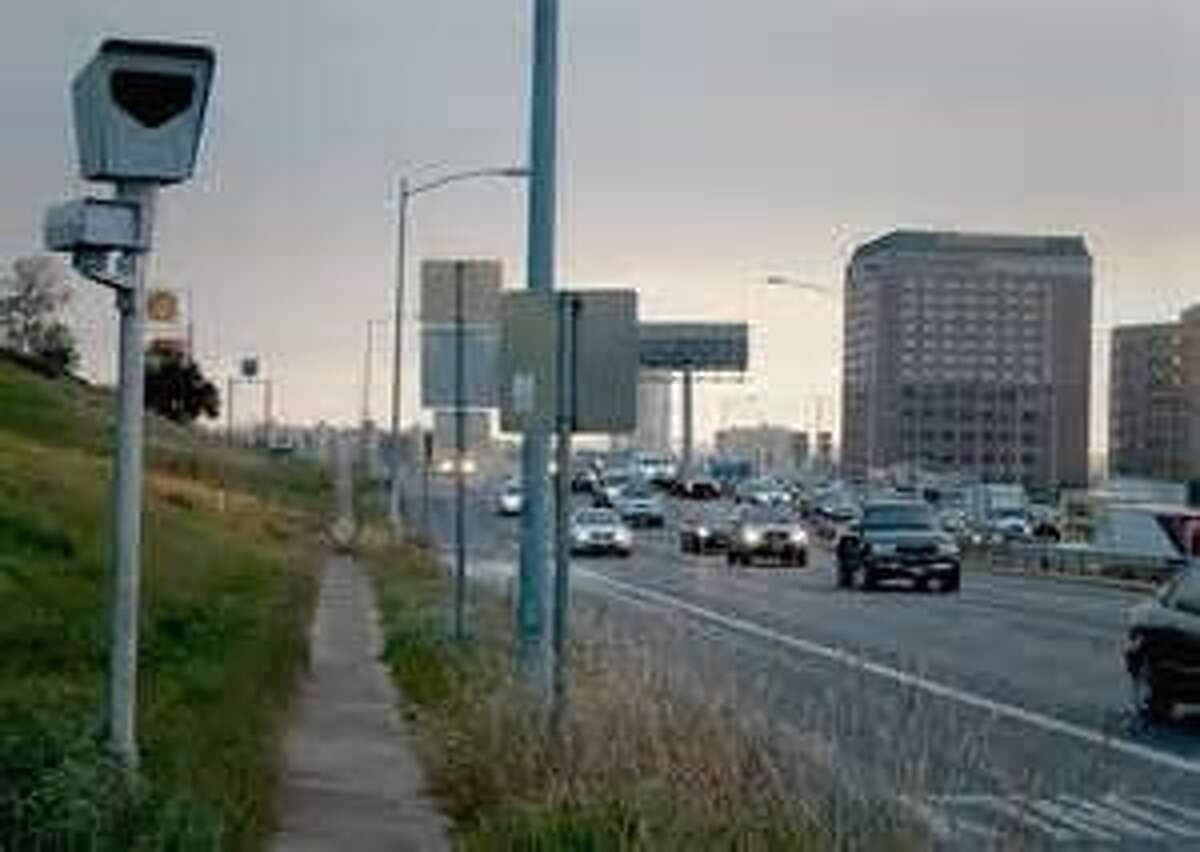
(460, 455)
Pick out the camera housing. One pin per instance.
(139, 110)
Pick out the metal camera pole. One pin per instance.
(127, 483)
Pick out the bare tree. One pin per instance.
(32, 297)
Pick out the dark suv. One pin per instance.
(898, 540)
(1162, 650)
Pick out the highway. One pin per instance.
(993, 714)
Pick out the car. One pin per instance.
(610, 487)
(767, 532)
(638, 506)
(700, 536)
(898, 539)
(584, 480)
(600, 531)
(1162, 647)
(510, 499)
(466, 466)
(762, 492)
(697, 488)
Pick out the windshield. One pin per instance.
(597, 517)
(904, 516)
(766, 516)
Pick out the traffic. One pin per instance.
(874, 538)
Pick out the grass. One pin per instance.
(646, 758)
(225, 600)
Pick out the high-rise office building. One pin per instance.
(969, 353)
(1147, 422)
(653, 431)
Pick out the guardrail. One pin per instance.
(1072, 559)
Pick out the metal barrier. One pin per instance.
(1072, 559)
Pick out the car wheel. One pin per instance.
(845, 577)
(800, 559)
(952, 582)
(869, 583)
(731, 558)
(1149, 702)
(921, 584)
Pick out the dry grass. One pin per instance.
(646, 757)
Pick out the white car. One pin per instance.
(510, 500)
(600, 531)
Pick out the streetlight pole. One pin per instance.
(407, 193)
(398, 357)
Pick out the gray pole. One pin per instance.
(127, 489)
(543, 138)
(460, 450)
(266, 413)
(229, 412)
(565, 416)
(367, 358)
(688, 424)
(397, 359)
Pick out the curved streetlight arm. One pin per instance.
(438, 183)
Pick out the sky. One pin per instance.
(704, 146)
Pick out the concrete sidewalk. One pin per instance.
(351, 779)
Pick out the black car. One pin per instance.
(1162, 650)
(898, 540)
(697, 488)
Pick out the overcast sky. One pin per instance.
(704, 145)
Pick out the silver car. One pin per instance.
(600, 532)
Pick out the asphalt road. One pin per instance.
(995, 714)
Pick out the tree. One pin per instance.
(32, 298)
(177, 389)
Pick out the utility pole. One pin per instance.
(543, 155)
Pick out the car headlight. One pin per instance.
(579, 534)
(624, 537)
(947, 548)
(751, 537)
(883, 549)
(799, 537)
(702, 532)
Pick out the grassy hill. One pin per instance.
(228, 583)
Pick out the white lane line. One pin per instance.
(1113, 818)
(1179, 810)
(1033, 718)
(946, 826)
(1070, 818)
(1145, 815)
(1026, 817)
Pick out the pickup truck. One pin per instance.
(898, 540)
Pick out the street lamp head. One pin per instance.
(515, 172)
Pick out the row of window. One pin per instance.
(914, 373)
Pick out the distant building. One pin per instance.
(771, 449)
(969, 353)
(653, 432)
(824, 457)
(1189, 355)
(1147, 415)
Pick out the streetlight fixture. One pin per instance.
(408, 191)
